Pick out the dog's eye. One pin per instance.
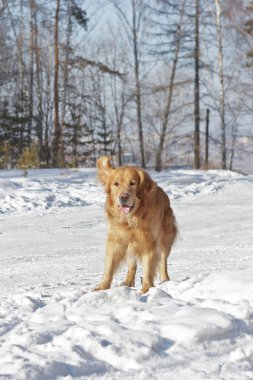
(131, 183)
(116, 183)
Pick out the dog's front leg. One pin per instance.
(130, 277)
(115, 253)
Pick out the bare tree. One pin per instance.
(116, 56)
(38, 90)
(196, 90)
(120, 101)
(221, 79)
(207, 138)
(135, 30)
(170, 87)
(58, 155)
(3, 6)
(31, 76)
(133, 27)
(65, 67)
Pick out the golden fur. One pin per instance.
(141, 224)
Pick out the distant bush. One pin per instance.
(29, 158)
(4, 156)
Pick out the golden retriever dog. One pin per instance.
(142, 226)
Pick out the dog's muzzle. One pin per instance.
(123, 206)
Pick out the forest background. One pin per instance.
(158, 83)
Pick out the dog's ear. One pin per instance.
(104, 169)
(146, 184)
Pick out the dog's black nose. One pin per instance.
(123, 197)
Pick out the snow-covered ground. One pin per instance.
(199, 326)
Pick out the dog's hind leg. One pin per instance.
(163, 266)
(165, 243)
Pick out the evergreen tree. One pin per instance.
(5, 136)
(13, 129)
(77, 136)
(104, 134)
(105, 140)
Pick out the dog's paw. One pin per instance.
(101, 286)
(145, 287)
(130, 284)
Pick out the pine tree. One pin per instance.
(77, 137)
(5, 136)
(14, 120)
(104, 138)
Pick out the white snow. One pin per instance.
(198, 326)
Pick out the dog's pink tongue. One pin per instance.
(125, 209)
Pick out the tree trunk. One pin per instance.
(138, 85)
(20, 43)
(119, 114)
(132, 29)
(221, 79)
(48, 108)
(30, 122)
(196, 92)
(207, 139)
(58, 159)
(39, 90)
(65, 76)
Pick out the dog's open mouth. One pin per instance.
(125, 209)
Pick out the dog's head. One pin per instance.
(125, 186)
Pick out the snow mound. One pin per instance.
(189, 183)
(48, 190)
(113, 334)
